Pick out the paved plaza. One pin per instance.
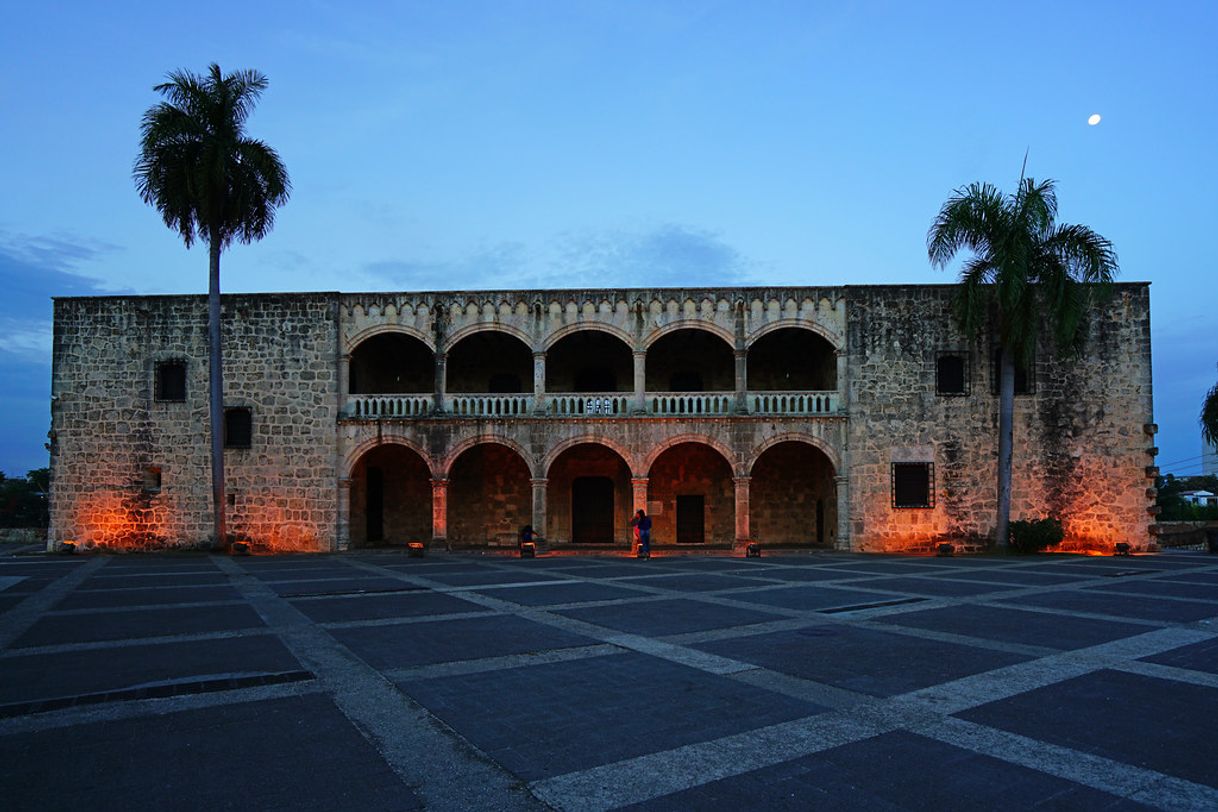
(377, 681)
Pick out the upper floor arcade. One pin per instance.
(592, 353)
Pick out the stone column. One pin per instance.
(344, 382)
(843, 385)
(539, 388)
(638, 487)
(441, 380)
(843, 512)
(742, 509)
(439, 512)
(742, 381)
(342, 538)
(640, 382)
(539, 505)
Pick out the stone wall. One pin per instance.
(1080, 448)
(111, 433)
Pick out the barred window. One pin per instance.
(913, 485)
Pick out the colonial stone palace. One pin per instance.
(852, 417)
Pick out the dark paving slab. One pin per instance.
(295, 753)
(895, 771)
(1148, 722)
(1014, 626)
(426, 567)
(663, 618)
(112, 581)
(1200, 592)
(624, 570)
(809, 598)
(1144, 608)
(9, 601)
(862, 660)
(377, 607)
(739, 566)
(1015, 576)
(595, 711)
(971, 561)
(490, 577)
(53, 630)
(809, 574)
(159, 563)
(38, 568)
(147, 597)
(29, 585)
(47, 676)
(697, 582)
(411, 644)
(943, 586)
(338, 586)
(1201, 656)
(1102, 567)
(890, 567)
(576, 592)
(1193, 577)
(309, 574)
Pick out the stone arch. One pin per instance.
(795, 437)
(390, 494)
(352, 457)
(724, 450)
(794, 496)
(368, 332)
(803, 324)
(567, 329)
(690, 324)
(446, 465)
(455, 337)
(608, 442)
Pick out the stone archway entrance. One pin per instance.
(390, 498)
(692, 494)
(589, 496)
(793, 496)
(489, 496)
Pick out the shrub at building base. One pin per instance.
(1033, 535)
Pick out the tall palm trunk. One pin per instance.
(216, 395)
(1006, 429)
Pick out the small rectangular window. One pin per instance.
(951, 374)
(1025, 383)
(913, 484)
(152, 479)
(238, 427)
(171, 381)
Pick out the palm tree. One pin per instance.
(1025, 271)
(210, 182)
(1209, 417)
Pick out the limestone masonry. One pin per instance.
(849, 417)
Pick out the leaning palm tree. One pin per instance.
(210, 182)
(1025, 271)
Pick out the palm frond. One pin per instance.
(1209, 416)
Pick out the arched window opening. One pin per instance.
(391, 364)
(792, 359)
(490, 361)
(589, 361)
(691, 360)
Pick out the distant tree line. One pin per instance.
(23, 502)
(1173, 508)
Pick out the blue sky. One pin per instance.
(509, 144)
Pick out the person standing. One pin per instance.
(642, 524)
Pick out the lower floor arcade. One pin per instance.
(583, 493)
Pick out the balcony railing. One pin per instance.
(593, 404)
(792, 402)
(691, 403)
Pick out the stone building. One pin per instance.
(852, 417)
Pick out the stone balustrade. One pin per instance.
(592, 404)
(793, 403)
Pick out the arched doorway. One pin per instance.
(588, 496)
(792, 359)
(490, 361)
(692, 496)
(793, 496)
(391, 364)
(390, 497)
(691, 360)
(489, 496)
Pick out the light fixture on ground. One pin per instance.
(753, 550)
(1122, 548)
(528, 549)
(415, 549)
(67, 547)
(240, 548)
